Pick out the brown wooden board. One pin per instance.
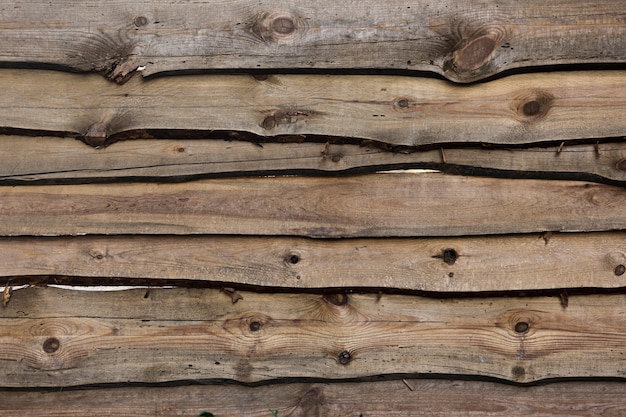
(397, 398)
(406, 111)
(464, 41)
(51, 159)
(498, 263)
(376, 205)
(53, 337)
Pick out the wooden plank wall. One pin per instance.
(400, 208)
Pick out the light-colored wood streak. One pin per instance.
(54, 337)
(496, 263)
(376, 205)
(408, 111)
(428, 398)
(58, 159)
(464, 41)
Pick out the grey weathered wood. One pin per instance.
(68, 160)
(376, 205)
(52, 337)
(499, 263)
(521, 109)
(424, 398)
(464, 41)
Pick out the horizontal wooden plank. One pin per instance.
(463, 41)
(52, 159)
(412, 398)
(405, 111)
(497, 263)
(424, 204)
(53, 337)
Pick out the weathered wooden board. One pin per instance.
(406, 111)
(52, 337)
(525, 262)
(376, 205)
(464, 41)
(412, 398)
(52, 159)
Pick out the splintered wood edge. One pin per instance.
(49, 340)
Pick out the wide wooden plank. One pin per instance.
(424, 204)
(526, 262)
(412, 398)
(53, 337)
(520, 109)
(52, 159)
(462, 40)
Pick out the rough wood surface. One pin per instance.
(407, 111)
(412, 398)
(53, 337)
(462, 40)
(376, 205)
(52, 159)
(527, 262)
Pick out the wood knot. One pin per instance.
(339, 299)
(96, 135)
(403, 104)
(473, 52)
(276, 26)
(621, 165)
(51, 345)
(533, 105)
(140, 21)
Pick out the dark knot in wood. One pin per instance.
(140, 21)
(344, 357)
(620, 270)
(339, 299)
(51, 345)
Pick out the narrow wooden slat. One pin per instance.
(57, 159)
(464, 41)
(424, 398)
(407, 111)
(496, 263)
(52, 337)
(369, 205)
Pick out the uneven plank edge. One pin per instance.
(498, 263)
(425, 204)
(52, 337)
(412, 398)
(51, 159)
(463, 41)
(520, 109)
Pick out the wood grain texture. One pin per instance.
(464, 41)
(52, 159)
(429, 398)
(407, 111)
(52, 337)
(496, 263)
(377, 205)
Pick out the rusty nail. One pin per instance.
(521, 327)
(51, 345)
(620, 269)
(345, 357)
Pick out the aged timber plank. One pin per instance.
(464, 41)
(52, 159)
(526, 262)
(424, 204)
(411, 398)
(52, 337)
(406, 111)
